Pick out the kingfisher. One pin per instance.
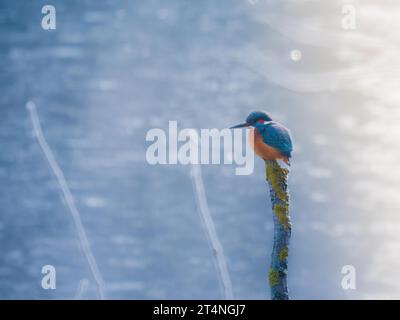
(269, 139)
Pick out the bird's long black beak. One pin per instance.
(242, 125)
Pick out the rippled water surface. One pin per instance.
(110, 72)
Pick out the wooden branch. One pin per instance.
(277, 180)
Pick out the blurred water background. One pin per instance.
(112, 70)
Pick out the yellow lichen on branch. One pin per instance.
(281, 212)
(273, 277)
(283, 254)
(277, 177)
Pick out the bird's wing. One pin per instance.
(277, 136)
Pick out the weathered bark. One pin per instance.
(277, 179)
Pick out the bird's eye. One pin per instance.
(260, 121)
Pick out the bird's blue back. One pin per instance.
(276, 135)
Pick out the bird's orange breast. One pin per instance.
(263, 150)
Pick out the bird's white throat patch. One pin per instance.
(211, 146)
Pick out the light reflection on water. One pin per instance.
(108, 74)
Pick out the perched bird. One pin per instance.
(269, 139)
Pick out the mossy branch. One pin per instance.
(277, 179)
